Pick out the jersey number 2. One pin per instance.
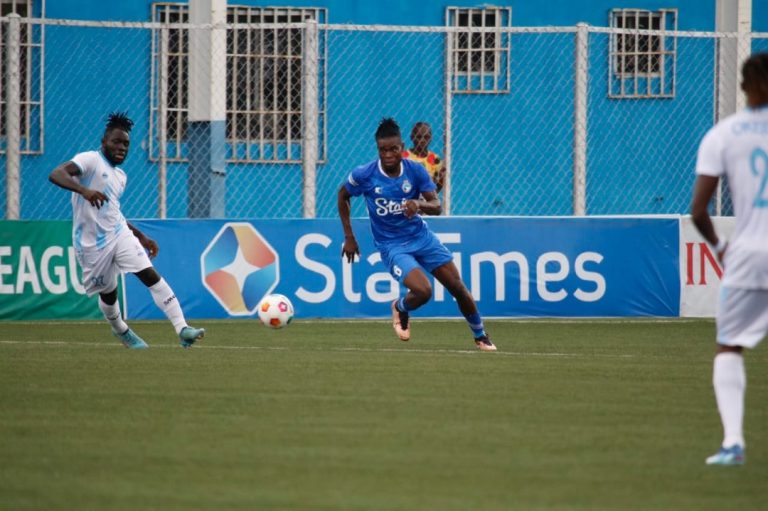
(761, 201)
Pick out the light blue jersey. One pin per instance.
(385, 196)
(737, 148)
(95, 228)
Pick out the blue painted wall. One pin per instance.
(699, 14)
(760, 15)
(641, 153)
(92, 71)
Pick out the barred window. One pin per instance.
(30, 74)
(479, 58)
(643, 65)
(264, 81)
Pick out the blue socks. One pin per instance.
(474, 320)
(401, 305)
(476, 324)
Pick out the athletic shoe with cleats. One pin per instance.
(190, 335)
(733, 455)
(484, 343)
(400, 323)
(131, 341)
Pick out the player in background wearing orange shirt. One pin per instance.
(421, 137)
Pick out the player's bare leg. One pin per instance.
(448, 276)
(110, 307)
(419, 293)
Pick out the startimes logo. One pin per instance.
(239, 267)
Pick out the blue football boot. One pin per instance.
(190, 335)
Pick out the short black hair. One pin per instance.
(755, 71)
(118, 120)
(388, 127)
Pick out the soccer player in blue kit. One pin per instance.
(397, 192)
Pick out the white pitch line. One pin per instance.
(152, 346)
(525, 320)
(359, 350)
(63, 343)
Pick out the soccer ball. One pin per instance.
(275, 311)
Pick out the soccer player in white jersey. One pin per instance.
(737, 148)
(107, 245)
(397, 192)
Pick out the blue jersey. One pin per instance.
(385, 196)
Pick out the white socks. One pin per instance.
(113, 316)
(167, 302)
(730, 382)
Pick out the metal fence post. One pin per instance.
(309, 108)
(744, 44)
(448, 122)
(13, 118)
(207, 119)
(731, 16)
(581, 77)
(162, 127)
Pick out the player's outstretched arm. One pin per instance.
(63, 177)
(146, 242)
(350, 247)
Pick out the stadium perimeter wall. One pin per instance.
(510, 152)
(514, 266)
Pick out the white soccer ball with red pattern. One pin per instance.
(275, 311)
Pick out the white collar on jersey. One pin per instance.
(381, 169)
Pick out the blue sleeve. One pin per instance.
(357, 181)
(423, 180)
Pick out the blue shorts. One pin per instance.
(427, 252)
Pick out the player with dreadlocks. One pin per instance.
(737, 148)
(107, 245)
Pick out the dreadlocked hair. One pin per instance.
(388, 127)
(119, 120)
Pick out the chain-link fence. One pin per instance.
(265, 115)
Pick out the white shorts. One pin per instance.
(742, 316)
(102, 267)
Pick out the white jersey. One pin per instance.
(96, 228)
(737, 147)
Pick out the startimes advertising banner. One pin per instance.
(513, 267)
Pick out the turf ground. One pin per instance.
(568, 415)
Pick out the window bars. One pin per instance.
(30, 61)
(264, 81)
(642, 57)
(479, 57)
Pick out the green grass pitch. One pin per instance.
(324, 415)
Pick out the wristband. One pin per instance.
(721, 243)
